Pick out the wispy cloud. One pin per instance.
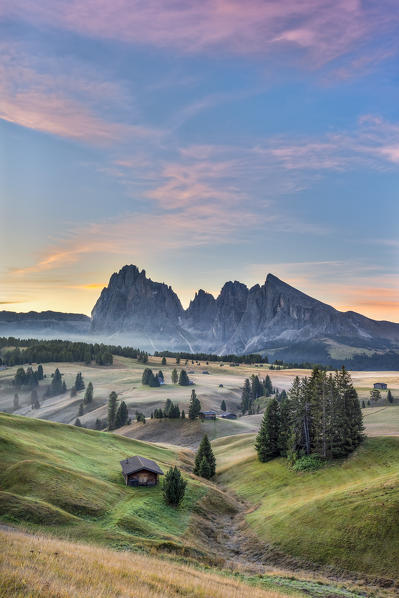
(63, 98)
(321, 28)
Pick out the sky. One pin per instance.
(202, 141)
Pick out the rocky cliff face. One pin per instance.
(239, 320)
(134, 303)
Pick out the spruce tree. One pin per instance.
(183, 378)
(64, 387)
(194, 408)
(174, 376)
(16, 402)
(223, 405)
(204, 469)
(122, 415)
(205, 451)
(163, 360)
(88, 398)
(112, 410)
(81, 409)
(79, 382)
(161, 376)
(77, 423)
(285, 426)
(34, 399)
(245, 397)
(174, 487)
(183, 415)
(98, 424)
(389, 397)
(268, 438)
(40, 373)
(268, 386)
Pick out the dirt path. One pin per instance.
(245, 553)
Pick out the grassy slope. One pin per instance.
(68, 479)
(47, 568)
(346, 514)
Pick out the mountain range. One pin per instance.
(273, 318)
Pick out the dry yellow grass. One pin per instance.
(40, 567)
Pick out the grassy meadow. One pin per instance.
(49, 568)
(68, 480)
(345, 514)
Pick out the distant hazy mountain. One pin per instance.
(274, 317)
(44, 323)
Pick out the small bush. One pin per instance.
(308, 463)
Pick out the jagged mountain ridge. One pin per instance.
(239, 320)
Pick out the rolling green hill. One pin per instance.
(346, 514)
(68, 480)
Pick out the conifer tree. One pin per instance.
(268, 438)
(77, 423)
(16, 402)
(79, 382)
(245, 397)
(205, 451)
(204, 469)
(194, 408)
(163, 360)
(34, 399)
(285, 426)
(389, 397)
(73, 392)
(183, 415)
(223, 405)
(122, 415)
(161, 376)
(375, 394)
(268, 386)
(183, 378)
(174, 487)
(81, 409)
(98, 424)
(175, 376)
(88, 398)
(40, 374)
(112, 410)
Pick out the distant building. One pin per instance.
(380, 385)
(140, 471)
(207, 415)
(205, 372)
(229, 415)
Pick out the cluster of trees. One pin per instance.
(205, 462)
(174, 486)
(248, 359)
(57, 385)
(253, 389)
(28, 379)
(45, 351)
(118, 415)
(320, 416)
(150, 379)
(142, 356)
(171, 410)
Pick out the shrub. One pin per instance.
(308, 463)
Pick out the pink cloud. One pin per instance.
(324, 28)
(61, 98)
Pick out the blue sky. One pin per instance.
(202, 141)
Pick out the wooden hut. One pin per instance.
(380, 385)
(207, 415)
(140, 471)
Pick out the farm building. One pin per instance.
(380, 385)
(140, 471)
(207, 415)
(229, 415)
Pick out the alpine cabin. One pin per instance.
(380, 385)
(140, 471)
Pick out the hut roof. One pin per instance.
(136, 463)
